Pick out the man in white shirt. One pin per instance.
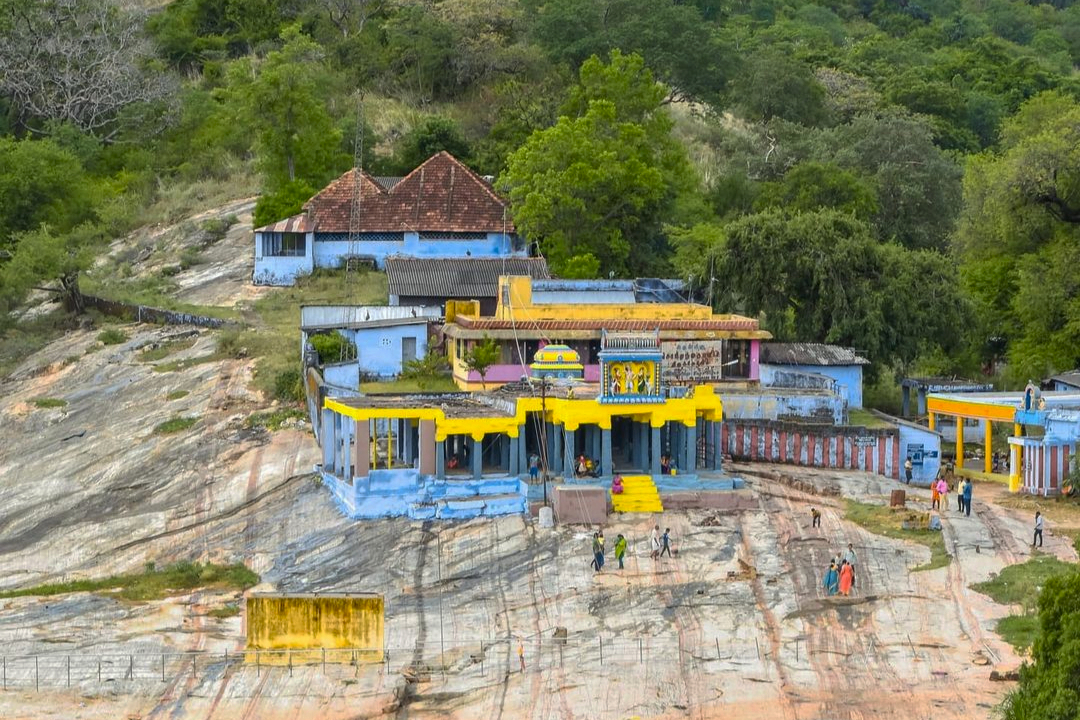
(1038, 529)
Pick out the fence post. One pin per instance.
(796, 649)
(192, 666)
(36, 676)
(757, 647)
(162, 667)
(131, 667)
(69, 671)
(324, 661)
(600, 640)
(717, 648)
(288, 654)
(258, 668)
(640, 652)
(482, 657)
(5, 672)
(99, 669)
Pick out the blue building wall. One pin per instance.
(924, 447)
(379, 349)
(775, 403)
(848, 378)
(327, 250)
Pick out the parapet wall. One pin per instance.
(313, 622)
(854, 448)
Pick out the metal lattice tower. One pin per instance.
(358, 171)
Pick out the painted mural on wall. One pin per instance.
(630, 368)
(693, 360)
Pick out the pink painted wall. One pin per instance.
(755, 354)
(512, 373)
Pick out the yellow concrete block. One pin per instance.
(313, 627)
(639, 495)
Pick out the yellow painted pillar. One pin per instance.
(933, 418)
(1014, 479)
(988, 460)
(959, 443)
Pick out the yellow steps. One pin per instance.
(639, 495)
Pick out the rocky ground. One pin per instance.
(735, 625)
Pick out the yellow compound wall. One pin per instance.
(307, 624)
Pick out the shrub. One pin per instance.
(176, 394)
(175, 425)
(289, 386)
(112, 336)
(48, 402)
(230, 343)
(333, 348)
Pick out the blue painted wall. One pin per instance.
(774, 403)
(327, 253)
(379, 349)
(912, 439)
(848, 377)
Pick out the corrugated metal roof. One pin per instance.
(468, 278)
(1069, 378)
(809, 354)
(323, 316)
(295, 224)
(389, 181)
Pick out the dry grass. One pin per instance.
(886, 521)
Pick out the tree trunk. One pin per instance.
(73, 297)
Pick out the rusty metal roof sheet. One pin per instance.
(809, 354)
(468, 278)
(295, 224)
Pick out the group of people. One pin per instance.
(586, 467)
(667, 465)
(661, 545)
(840, 577)
(939, 495)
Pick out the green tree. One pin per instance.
(41, 183)
(774, 85)
(287, 201)
(481, 356)
(434, 134)
(43, 255)
(813, 185)
(426, 370)
(297, 139)
(1048, 685)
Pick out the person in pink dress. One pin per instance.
(943, 492)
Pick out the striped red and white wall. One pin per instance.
(1046, 466)
(876, 451)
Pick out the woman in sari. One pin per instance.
(832, 580)
(847, 576)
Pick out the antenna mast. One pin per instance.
(358, 171)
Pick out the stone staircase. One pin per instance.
(639, 495)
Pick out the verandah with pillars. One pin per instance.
(989, 409)
(469, 437)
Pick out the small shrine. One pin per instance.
(556, 361)
(630, 367)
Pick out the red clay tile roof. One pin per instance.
(442, 195)
(556, 325)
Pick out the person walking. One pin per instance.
(603, 551)
(960, 494)
(935, 497)
(968, 489)
(534, 467)
(847, 578)
(908, 467)
(815, 516)
(943, 494)
(620, 549)
(597, 553)
(521, 654)
(849, 555)
(1038, 529)
(655, 554)
(832, 580)
(665, 542)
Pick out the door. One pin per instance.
(408, 350)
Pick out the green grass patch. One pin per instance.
(859, 417)
(1021, 583)
(882, 520)
(176, 394)
(112, 336)
(152, 584)
(175, 425)
(165, 349)
(275, 419)
(1019, 630)
(390, 387)
(19, 339)
(178, 365)
(48, 402)
(228, 611)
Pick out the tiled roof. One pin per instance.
(295, 224)
(468, 278)
(729, 324)
(809, 354)
(442, 195)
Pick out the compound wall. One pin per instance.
(313, 622)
